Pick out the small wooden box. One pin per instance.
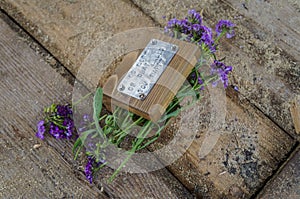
(162, 93)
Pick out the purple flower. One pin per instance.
(69, 125)
(88, 169)
(185, 26)
(193, 28)
(182, 26)
(196, 27)
(201, 82)
(69, 109)
(87, 118)
(64, 111)
(222, 70)
(206, 35)
(194, 17)
(41, 129)
(61, 111)
(59, 122)
(66, 131)
(55, 131)
(225, 25)
(172, 23)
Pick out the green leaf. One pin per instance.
(169, 115)
(53, 108)
(97, 105)
(157, 134)
(77, 143)
(80, 141)
(113, 176)
(98, 98)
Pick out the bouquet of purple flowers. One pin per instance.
(59, 122)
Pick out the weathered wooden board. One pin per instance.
(236, 158)
(248, 149)
(27, 86)
(295, 111)
(285, 184)
(280, 18)
(69, 29)
(266, 65)
(266, 75)
(252, 50)
(277, 22)
(162, 93)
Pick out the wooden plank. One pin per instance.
(286, 184)
(235, 160)
(250, 145)
(227, 171)
(24, 14)
(266, 72)
(162, 93)
(70, 29)
(267, 66)
(280, 18)
(27, 84)
(30, 87)
(295, 112)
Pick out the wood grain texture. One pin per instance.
(295, 112)
(265, 68)
(286, 183)
(253, 52)
(27, 85)
(163, 92)
(69, 29)
(280, 18)
(250, 148)
(231, 159)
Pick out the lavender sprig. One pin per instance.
(58, 122)
(202, 35)
(225, 26)
(41, 129)
(222, 71)
(89, 169)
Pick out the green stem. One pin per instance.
(141, 136)
(130, 126)
(220, 36)
(81, 99)
(112, 177)
(100, 167)
(151, 141)
(101, 118)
